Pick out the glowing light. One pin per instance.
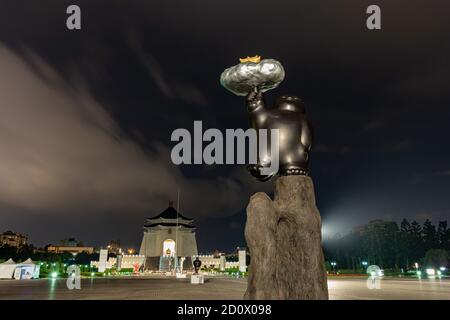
(92, 274)
(419, 273)
(439, 272)
(442, 268)
(54, 275)
(431, 272)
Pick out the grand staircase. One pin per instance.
(167, 264)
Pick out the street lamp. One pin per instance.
(364, 263)
(333, 264)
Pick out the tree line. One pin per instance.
(29, 251)
(389, 245)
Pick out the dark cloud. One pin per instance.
(184, 92)
(63, 153)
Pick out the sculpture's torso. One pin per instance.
(295, 133)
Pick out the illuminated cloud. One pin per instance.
(60, 151)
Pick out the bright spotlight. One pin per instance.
(431, 272)
(54, 275)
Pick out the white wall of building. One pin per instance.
(153, 239)
(209, 261)
(128, 261)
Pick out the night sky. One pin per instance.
(86, 116)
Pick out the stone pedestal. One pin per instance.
(285, 243)
(197, 279)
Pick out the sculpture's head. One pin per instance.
(290, 103)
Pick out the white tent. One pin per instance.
(20, 271)
(28, 261)
(27, 270)
(10, 261)
(7, 269)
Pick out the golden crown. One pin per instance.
(254, 59)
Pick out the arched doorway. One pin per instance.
(169, 248)
(168, 259)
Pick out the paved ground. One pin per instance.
(390, 289)
(214, 288)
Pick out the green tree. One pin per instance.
(416, 241)
(443, 234)
(386, 244)
(430, 237)
(380, 240)
(436, 258)
(405, 242)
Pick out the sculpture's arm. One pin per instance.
(255, 101)
(307, 134)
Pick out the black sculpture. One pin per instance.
(295, 133)
(253, 76)
(197, 264)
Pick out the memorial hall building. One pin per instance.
(169, 241)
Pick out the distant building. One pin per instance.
(70, 242)
(114, 247)
(218, 253)
(13, 239)
(69, 245)
(168, 241)
(73, 250)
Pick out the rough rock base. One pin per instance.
(285, 243)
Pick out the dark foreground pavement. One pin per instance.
(214, 288)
